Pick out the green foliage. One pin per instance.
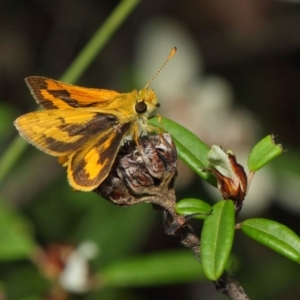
(17, 241)
(154, 269)
(217, 233)
(263, 152)
(274, 235)
(190, 206)
(217, 238)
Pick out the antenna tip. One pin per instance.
(173, 51)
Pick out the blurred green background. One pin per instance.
(237, 68)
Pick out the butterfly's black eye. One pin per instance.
(140, 107)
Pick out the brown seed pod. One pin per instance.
(143, 172)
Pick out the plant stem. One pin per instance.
(11, 155)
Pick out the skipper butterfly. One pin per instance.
(85, 127)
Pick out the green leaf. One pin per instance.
(217, 238)
(155, 269)
(263, 152)
(191, 150)
(191, 206)
(16, 240)
(274, 235)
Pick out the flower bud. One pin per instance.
(231, 177)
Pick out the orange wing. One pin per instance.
(90, 165)
(53, 94)
(61, 132)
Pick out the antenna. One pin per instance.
(173, 51)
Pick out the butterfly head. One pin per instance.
(146, 102)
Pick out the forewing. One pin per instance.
(61, 132)
(53, 94)
(88, 167)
